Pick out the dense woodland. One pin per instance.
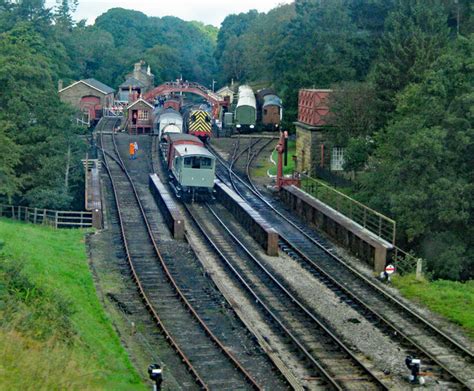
(402, 72)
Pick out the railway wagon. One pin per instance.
(191, 166)
(272, 112)
(198, 123)
(169, 121)
(246, 110)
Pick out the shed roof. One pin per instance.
(93, 83)
(193, 150)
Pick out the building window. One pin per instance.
(337, 159)
(143, 115)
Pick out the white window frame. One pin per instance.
(143, 115)
(337, 159)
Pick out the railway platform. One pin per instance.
(359, 240)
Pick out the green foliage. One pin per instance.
(35, 125)
(53, 330)
(188, 46)
(422, 169)
(415, 33)
(454, 300)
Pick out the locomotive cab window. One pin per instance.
(188, 161)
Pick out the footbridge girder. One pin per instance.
(192, 88)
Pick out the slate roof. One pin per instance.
(100, 86)
(132, 82)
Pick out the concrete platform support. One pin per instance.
(256, 226)
(352, 236)
(167, 206)
(92, 192)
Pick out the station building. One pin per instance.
(89, 97)
(313, 149)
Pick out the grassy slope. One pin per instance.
(269, 166)
(454, 300)
(55, 262)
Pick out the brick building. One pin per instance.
(313, 149)
(139, 117)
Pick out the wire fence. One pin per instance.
(54, 218)
(377, 223)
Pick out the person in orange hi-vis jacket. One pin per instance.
(131, 149)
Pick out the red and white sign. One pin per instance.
(390, 269)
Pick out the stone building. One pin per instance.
(143, 75)
(88, 96)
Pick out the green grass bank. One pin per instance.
(54, 333)
(268, 167)
(453, 300)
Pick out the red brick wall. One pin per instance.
(312, 106)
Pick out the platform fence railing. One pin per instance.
(377, 223)
(54, 218)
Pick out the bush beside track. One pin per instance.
(454, 300)
(54, 333)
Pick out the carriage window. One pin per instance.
(188, 161)
(206, 162)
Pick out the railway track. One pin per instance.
(327, 363)
(210, 363)
(449, 361)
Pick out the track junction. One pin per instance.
(318, 358)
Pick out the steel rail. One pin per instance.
(301, 306)
(136, 279)
(401, 307)
(259, 301)
(181, 296)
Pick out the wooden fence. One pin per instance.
(54, 218)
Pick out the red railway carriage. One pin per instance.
(172, 103)
(175, 139)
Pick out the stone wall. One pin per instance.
(74, 95)
(308, 148)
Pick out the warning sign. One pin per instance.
(390, 269)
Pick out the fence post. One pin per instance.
(13, 212)
(28, 215)
(56, 219)
(44, 216)
(35, 215)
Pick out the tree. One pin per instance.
(422, 171)
(415, 33)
